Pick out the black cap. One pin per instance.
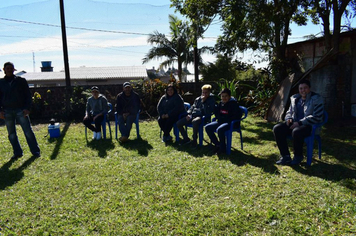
(95, 88)
(225, 90)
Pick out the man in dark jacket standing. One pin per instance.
(15, 105)
(127, 107)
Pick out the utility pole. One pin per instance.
(65, 57)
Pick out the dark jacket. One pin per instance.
(97, 106)
(128, 104)
(14, 93)
(225, 113)
(172, 106)
(199, 108)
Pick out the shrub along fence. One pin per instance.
(49, 102)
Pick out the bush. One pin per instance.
(150, 92)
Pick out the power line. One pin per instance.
(69, 27)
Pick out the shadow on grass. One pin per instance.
(102, 146)
(330, 172)
(142, 146)
(10, 177)
(240, 158)
(58, 141)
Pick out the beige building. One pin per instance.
(86, 76)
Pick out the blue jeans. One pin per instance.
(220, 129)
(125, 126)
(13, 117)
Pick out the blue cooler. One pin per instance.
(54, 131)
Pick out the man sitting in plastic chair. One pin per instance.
(96, 109)
(203, 106)
(306, 109)
(127, 107)
(225, 112)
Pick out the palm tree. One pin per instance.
(176, 49)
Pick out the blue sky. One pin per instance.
(27, 44)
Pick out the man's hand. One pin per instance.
(188, 117)
(97, 116)
(2, 115)
(26, 112)
(294, 125)
(125, 115)
(289, 122)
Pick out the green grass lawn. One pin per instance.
(144, 187)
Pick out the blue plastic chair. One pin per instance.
(201, 128)
(175, 128)
(309, 141)
(136, 122)
(228, 133)
(105, 121)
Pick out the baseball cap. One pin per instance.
(95, 88)
(127, 84)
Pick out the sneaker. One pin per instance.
(36, 154)
(215, 149)
(15, 157)
(284, 160)
(193, 143)
(98, 135)
(94, 135)
(296, 160)
(169, 138)
(123, 139)
(185, 141)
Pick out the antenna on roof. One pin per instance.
(34, 63)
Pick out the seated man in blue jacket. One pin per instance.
(203, 106)
(225, 112)
(306, 109)
(96, 109)
(127, 107)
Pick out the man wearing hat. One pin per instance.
(127, 107)
(15, 105)
(97, 107)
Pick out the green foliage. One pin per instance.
(78, 102)
(150, 92)
(144, 187)
(177, 48)
(261, 97)
(224, 68)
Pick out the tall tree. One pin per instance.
(251, 24)
(177, 48)
(322, 9)
(200, 13)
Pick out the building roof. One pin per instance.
(88, 73)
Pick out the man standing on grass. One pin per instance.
(127, 107)
(15, 105)
(306, 109)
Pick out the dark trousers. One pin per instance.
(281, 131)
(97, 123)
(166, 124)
(220, 129)
(195, 123)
